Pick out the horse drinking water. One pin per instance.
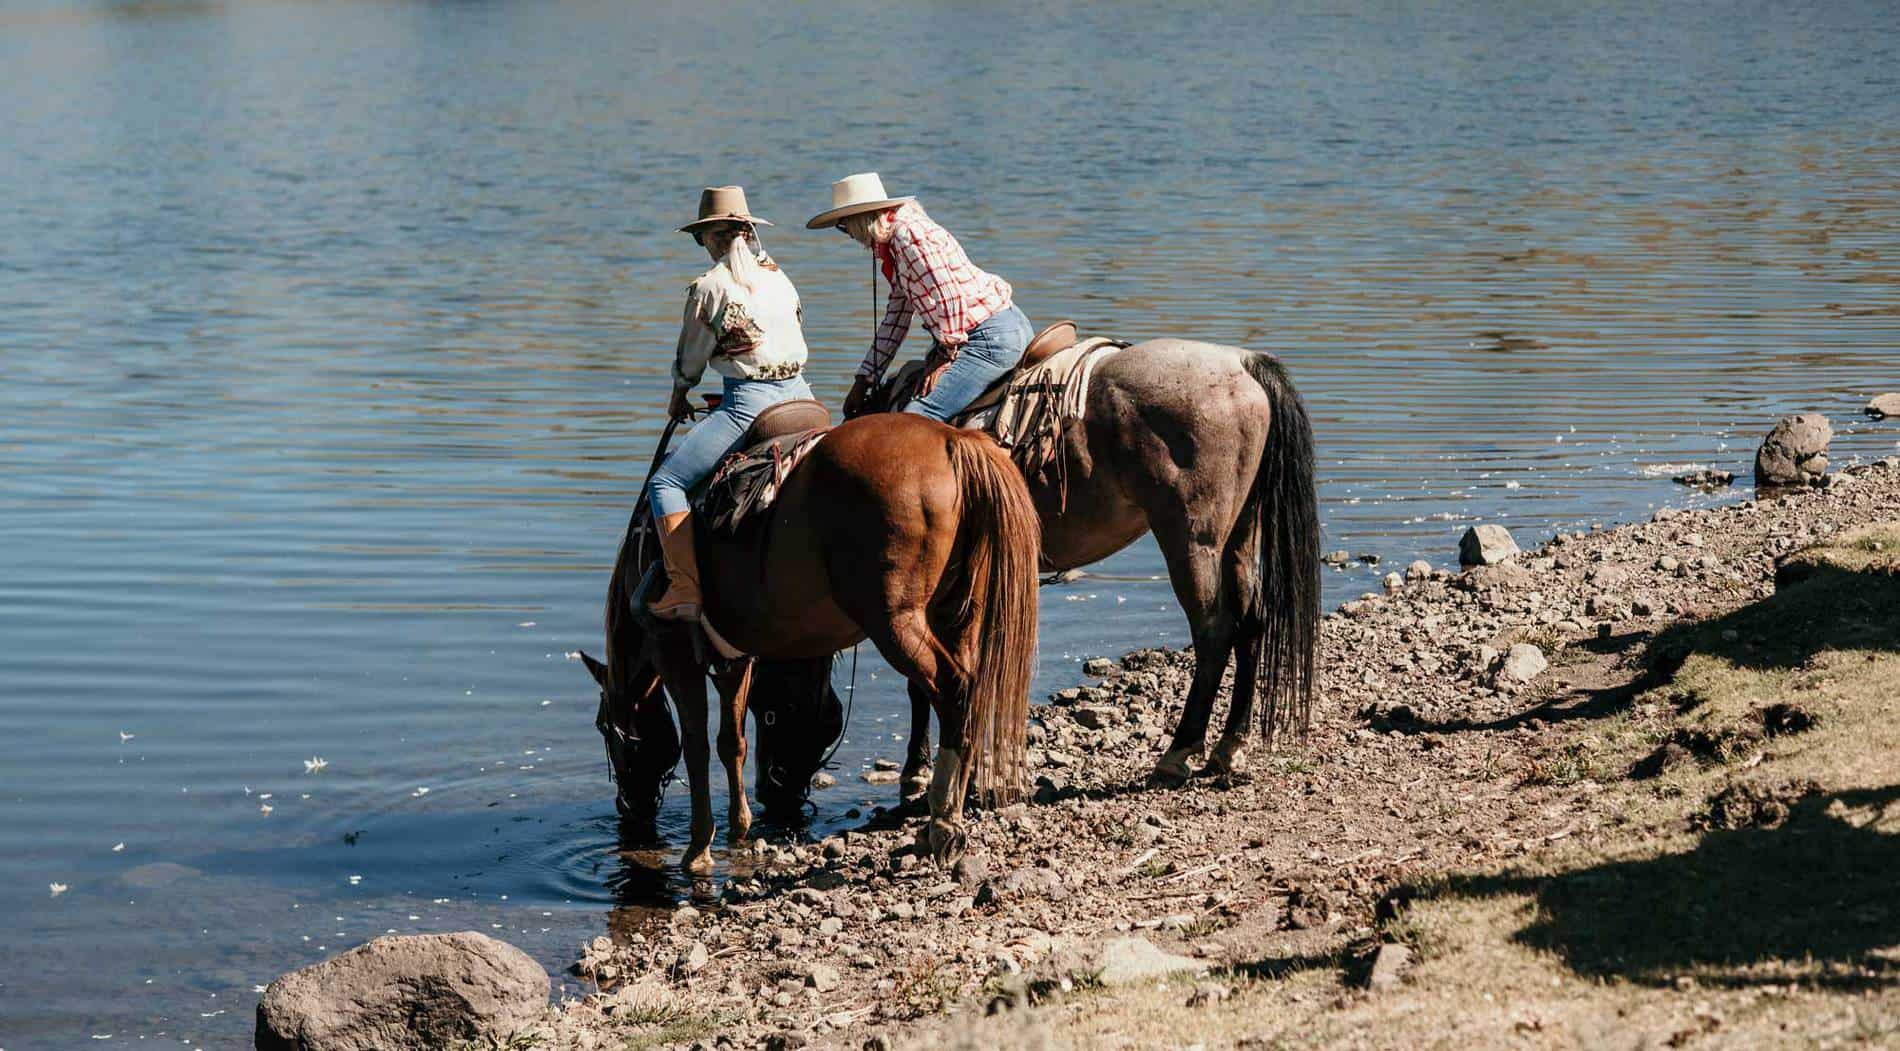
(916, 536)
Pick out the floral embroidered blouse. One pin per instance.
(749, 335)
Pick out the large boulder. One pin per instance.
(1128, 960)
(1795, 452)
(1884, 406)
(402, 992)
(1486, 545)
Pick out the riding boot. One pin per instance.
(681, 601)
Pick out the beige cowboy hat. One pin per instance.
(722, 204)
(863, 192)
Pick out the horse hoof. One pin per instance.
(1229, 758)
(700, 864)
(946, 842)
(1171, 770)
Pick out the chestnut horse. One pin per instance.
(916, 536)
(1208, 447)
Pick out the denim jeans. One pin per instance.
(695, 456)
(994, 348)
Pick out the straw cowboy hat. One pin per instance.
(863, 192)
(722, 204)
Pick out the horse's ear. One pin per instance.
(595, 668)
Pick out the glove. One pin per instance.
(854, 401)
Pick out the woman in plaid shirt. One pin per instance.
(979, 333)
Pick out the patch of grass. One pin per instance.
(926, 988)
(1570, 764)
(1205, 924)
(1422, 930)
(1296, 764)
(1155, 868)
(681, 1029)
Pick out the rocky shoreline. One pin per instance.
(1440, 721)
(1452, 713)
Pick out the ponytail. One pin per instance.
(742, 260)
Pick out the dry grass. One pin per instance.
(1742, 891)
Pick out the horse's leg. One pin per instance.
(913, 650)
(1240, 584)
(686, 681)
(734, 688)
(916, 779)
(1192, 550)
(1229, 755)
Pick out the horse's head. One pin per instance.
(799, 716)
(643, 745)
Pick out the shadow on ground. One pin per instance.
(1815, 607)
(1819, 887)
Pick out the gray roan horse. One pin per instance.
(1208, 447)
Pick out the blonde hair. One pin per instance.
(869, 228)
(744, 260)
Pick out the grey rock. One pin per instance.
(1125, 961)
(1706, 478)
(971, 869)
(694, 959)
(1100, 667)
(1883, 406)
(880, 777)
(1097, 717)
(1486, 545)
(1418, 570)
(1507, 575)
(409, 991)
(1337, 558)
(1795, 451)
(1030, 881)
(822, 977)
(822, 780)
(1388, 967)
(1523, 663)
(1206, 993)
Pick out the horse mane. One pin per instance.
(623, 635)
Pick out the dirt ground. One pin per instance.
(1685, 831)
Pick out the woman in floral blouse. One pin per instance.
(978, 331)
(742, 318)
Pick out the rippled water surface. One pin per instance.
(333, 339)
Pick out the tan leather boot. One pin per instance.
(681, 601)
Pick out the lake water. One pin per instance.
(333, 343)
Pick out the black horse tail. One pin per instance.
(1288, 597)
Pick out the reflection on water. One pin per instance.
(335, 339)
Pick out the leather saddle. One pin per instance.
(787, 417)
(901, 388)
(747, 482)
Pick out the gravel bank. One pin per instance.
(1444, 703)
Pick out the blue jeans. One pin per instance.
(697, 454)
(994, 348)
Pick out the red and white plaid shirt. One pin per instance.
(930, 277)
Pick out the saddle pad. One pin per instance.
(747, 482)
(1026, 414)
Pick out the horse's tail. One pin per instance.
(1288, 599)
(996, 645)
